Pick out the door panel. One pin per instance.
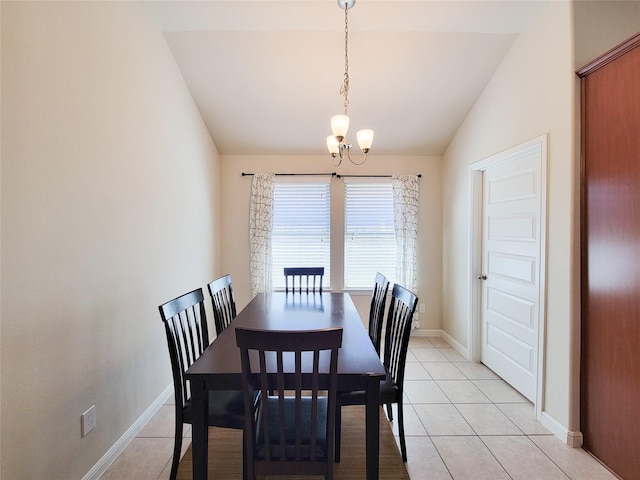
(511, 262)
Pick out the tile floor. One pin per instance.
(462, 422)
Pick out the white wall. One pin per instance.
(531, 93)
(236, 191)
(109, 206)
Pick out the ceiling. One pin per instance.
(266, 74)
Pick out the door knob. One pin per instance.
(482, 277)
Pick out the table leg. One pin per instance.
(200, 430)
(373, 428)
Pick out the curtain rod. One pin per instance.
(332, 174)
(370, 176)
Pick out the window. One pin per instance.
(301, 229)
(369, 234)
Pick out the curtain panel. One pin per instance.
(405, 217)
(260, 230)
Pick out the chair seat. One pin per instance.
(388, 394)
(274, 426)
(226, 409)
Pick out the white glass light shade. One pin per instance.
(339, 126)
(365, 139)
(333, 145)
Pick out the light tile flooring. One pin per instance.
(462, 422)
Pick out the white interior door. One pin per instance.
(511, 271)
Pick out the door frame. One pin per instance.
(476, 171)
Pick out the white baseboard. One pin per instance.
(570, 437)
(108, 458)
(423, 332)
(462, 350)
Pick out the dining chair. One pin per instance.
(376, 311)
(298, 274)
(185, 324)
(223, 302)
(291, 430)
(396, 343)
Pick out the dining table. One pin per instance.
(359, 365)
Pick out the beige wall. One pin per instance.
(109, 200)
(601, 25)
(531, 94)
(236, 191)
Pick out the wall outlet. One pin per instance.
(421, 308)
(88, 420)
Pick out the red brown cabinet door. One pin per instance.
(610, 206)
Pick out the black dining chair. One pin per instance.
(376, 311)
(291, 430)
(185, 324)
(396, 344)
(303, 275)
(223, 302)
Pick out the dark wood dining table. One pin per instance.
(359, 366)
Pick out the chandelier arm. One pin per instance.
(358, 163)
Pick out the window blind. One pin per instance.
(301, 229)
(369, 234)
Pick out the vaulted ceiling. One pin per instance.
(266, 74)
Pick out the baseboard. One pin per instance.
(108, 458)
(462, 350)
(424, 332)
(570, 437)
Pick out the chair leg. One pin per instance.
(177, 447)
(403, 444)
(389, 412)
(244, 458)
(338, 433)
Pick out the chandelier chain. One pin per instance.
(344, 90)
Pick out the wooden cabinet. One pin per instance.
(610, 245)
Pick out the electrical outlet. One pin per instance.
(88, 420)
(422, 309)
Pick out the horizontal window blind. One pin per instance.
(369, 234)
(301, 229)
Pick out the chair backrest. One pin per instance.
(376, 312)
(294, 432)
(396, 341)
(223, 301)
(185, 324)
(303, 276)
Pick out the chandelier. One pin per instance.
(338, 146)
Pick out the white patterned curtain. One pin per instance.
(260, 228)
(405, 217)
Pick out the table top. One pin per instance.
(219, 366)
